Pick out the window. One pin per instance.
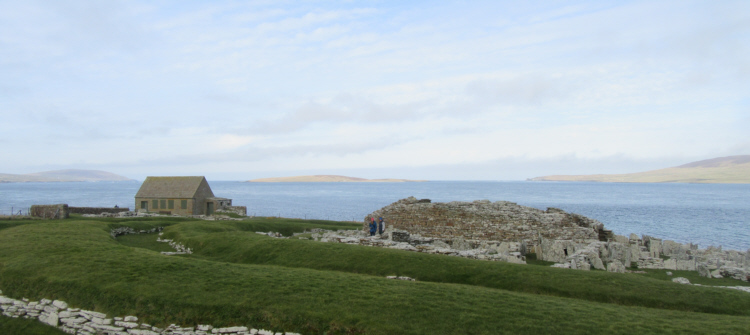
(183, 204)
(163, 203)
(144, 204)
(171, 204)
(154, 204)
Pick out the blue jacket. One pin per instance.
(373, 227)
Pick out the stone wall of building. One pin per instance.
(97, 210)
(483, 220)
(239, 210)
(59, 211)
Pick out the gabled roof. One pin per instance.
(172, 187)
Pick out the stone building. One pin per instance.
(179, 195)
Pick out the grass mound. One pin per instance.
(77, 261)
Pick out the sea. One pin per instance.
(704, 214)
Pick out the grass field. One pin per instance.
(237, 277)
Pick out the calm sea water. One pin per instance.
(707, 214)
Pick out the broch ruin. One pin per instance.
(505, 231)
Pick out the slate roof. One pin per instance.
(171, 187)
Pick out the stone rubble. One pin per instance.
(402, 240)
(77, 321)
(180, 248)
(646, 252)
(498, 230)
(401, 278)
(127, 230)
(482, 220)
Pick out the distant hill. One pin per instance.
(327, 179)
(732, 169)
(62, 176)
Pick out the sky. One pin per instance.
(438, 90)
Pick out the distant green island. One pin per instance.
(722, 170)
(70, 175)
(328, 179)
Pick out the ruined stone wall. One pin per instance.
(59, 211)
(96, 210)
(239, 210)
(490, 221)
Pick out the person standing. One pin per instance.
(381, 225)
(373, 227)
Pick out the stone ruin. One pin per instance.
(402, 240)
(645, 252)
(59, 211)
(488, 229)
(481, 221)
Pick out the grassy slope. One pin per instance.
(227, 243)
(77, 261)
(20, 326)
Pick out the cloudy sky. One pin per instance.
(441, 90)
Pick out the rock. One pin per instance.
(401, 278)
(650, 263)
(681, 280)
(669, 273)
(716, 274)
(703, 271)
(60, 304)
(52, 319)
(736, 273)
(616, 266)
(622, 239)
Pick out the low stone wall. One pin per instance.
(97, 210)
(59, 211)
(77, 321)
(511, 252)
(239, 210)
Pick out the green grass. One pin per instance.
(20, 326)
(77, 261)
(693, 277)
(532, 260)
(145, 241)
(226, 242)
(231, 215)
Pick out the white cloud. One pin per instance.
(343, 86)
